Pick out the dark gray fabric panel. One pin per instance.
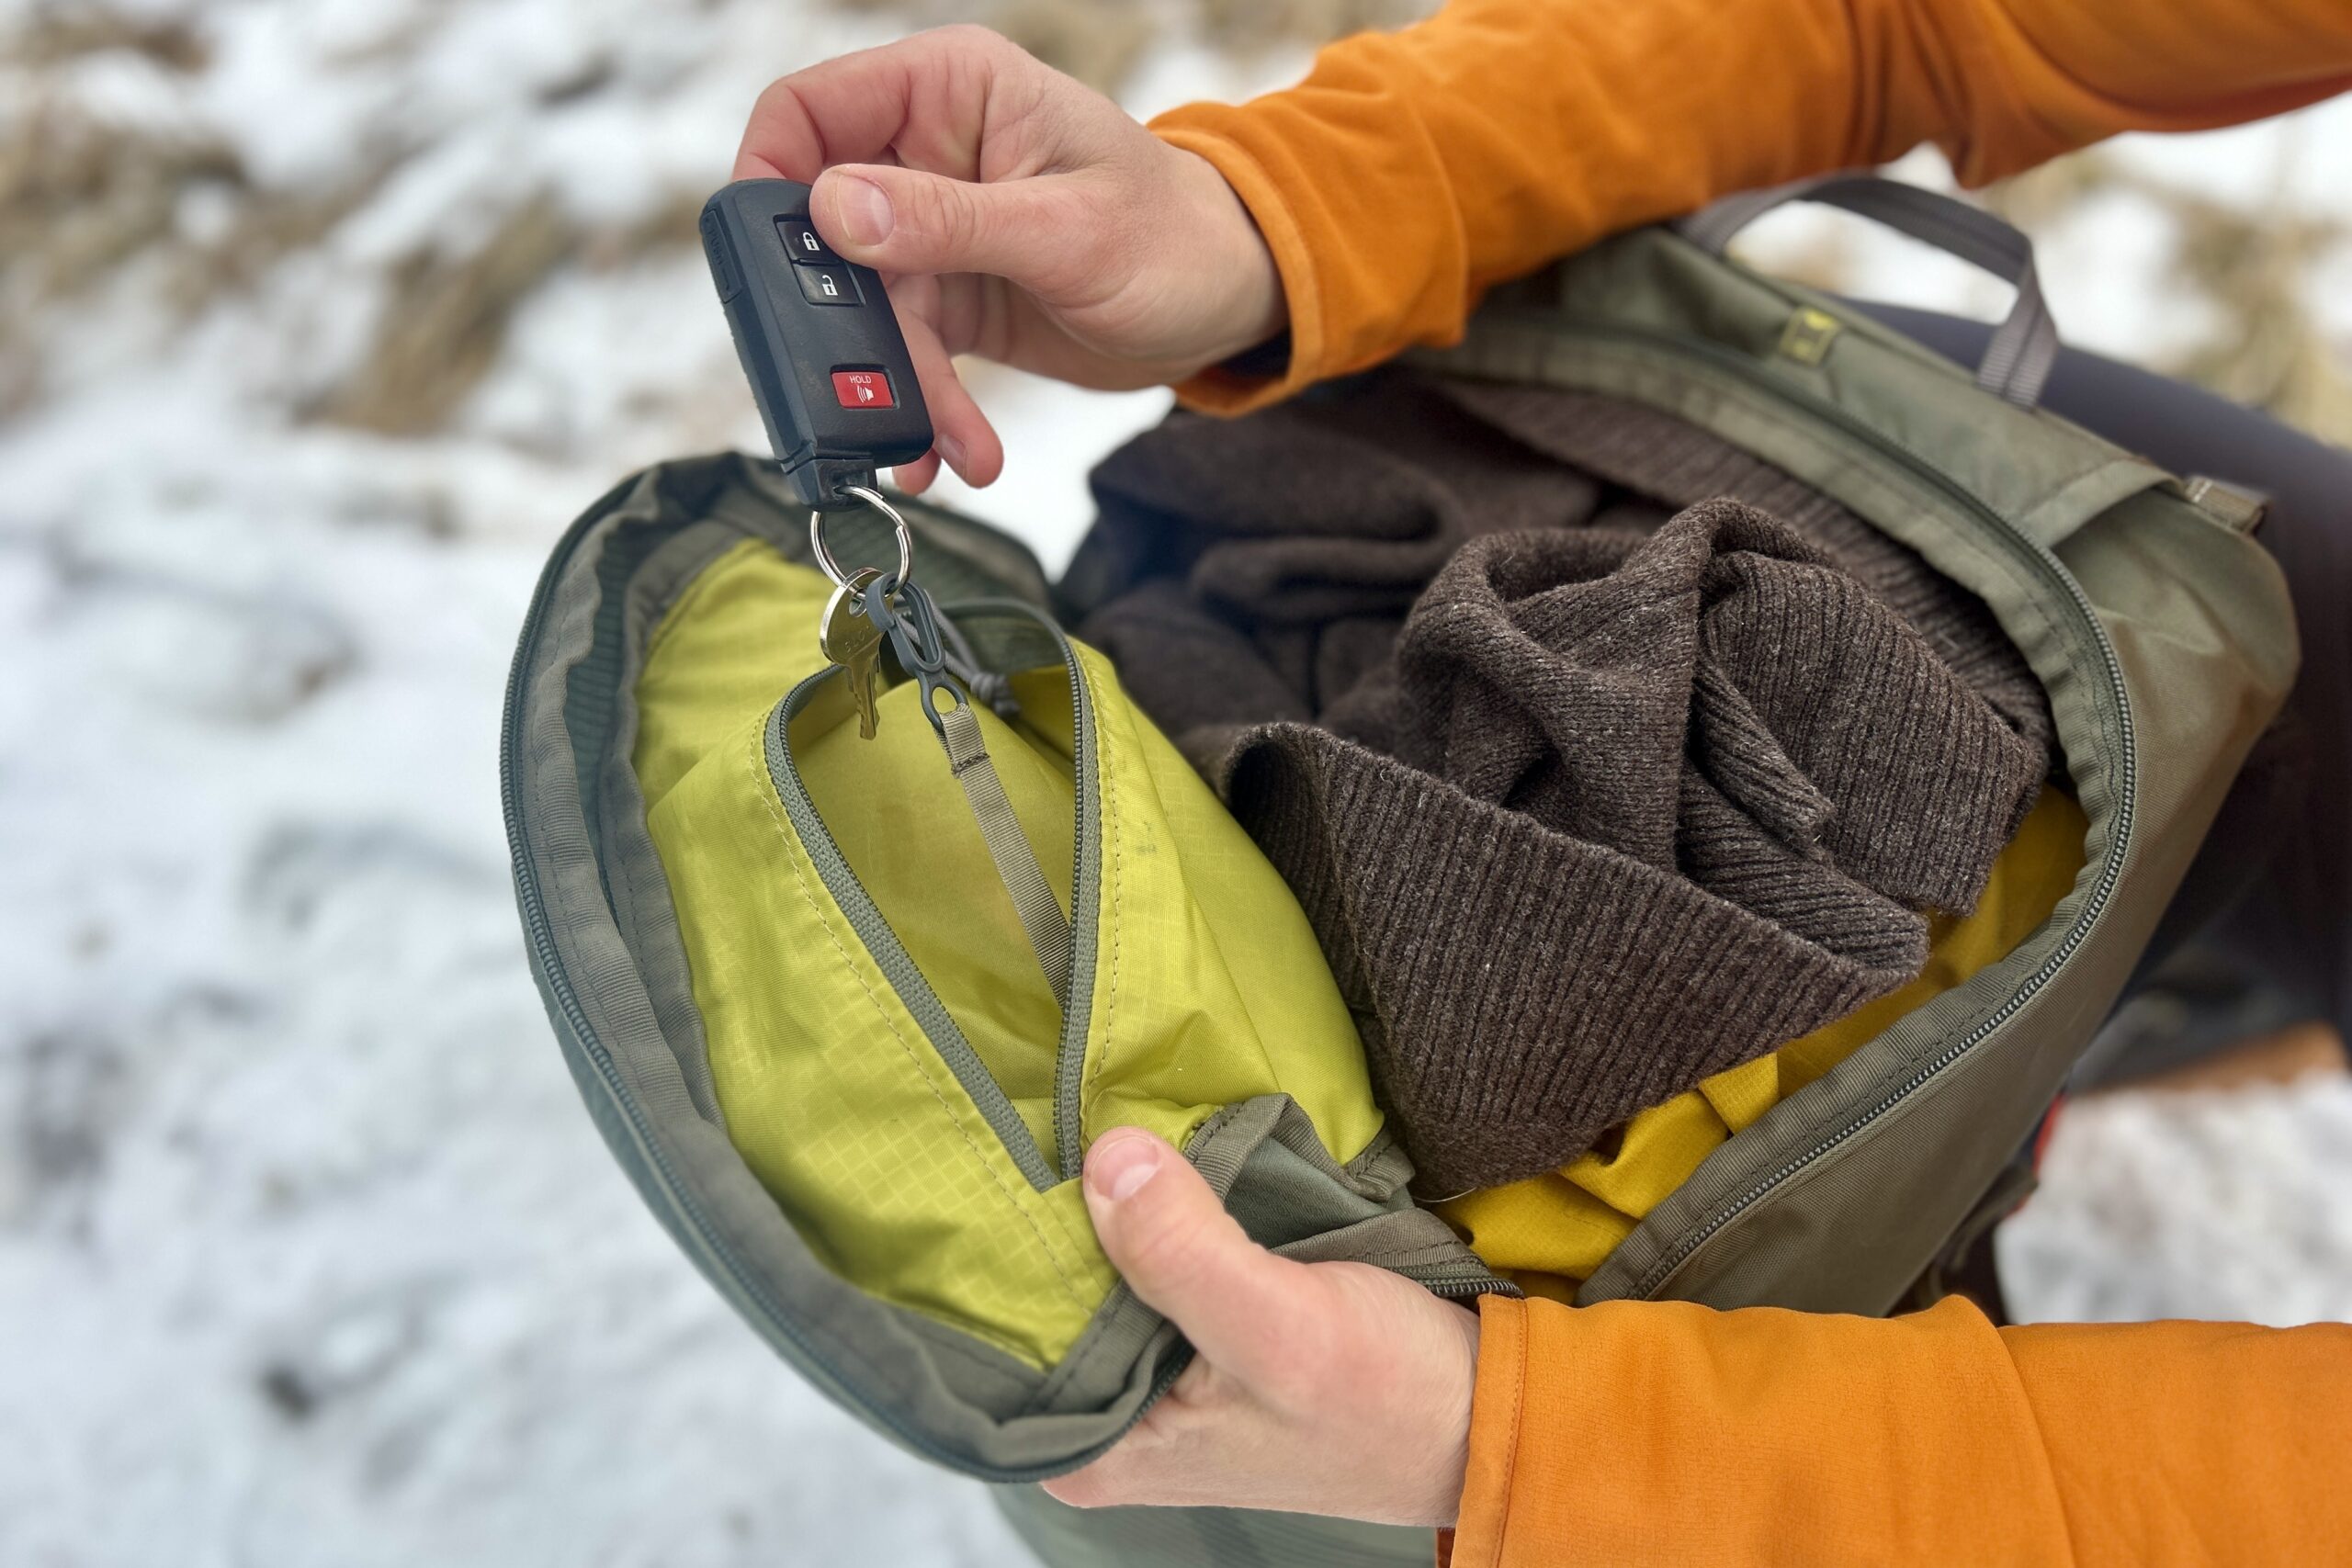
(2271, 890)
(640, 888)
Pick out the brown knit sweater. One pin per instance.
(1586, 800)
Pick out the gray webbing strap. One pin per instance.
(2024, 348)
(1017, 864)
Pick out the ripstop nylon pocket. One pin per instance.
(1197, 979)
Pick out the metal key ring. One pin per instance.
(872, 498)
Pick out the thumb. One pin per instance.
(1169, 1235)
(903, 221)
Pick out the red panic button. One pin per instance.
(863, 389)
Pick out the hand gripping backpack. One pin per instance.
(814, 1031)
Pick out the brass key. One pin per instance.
(855, 643)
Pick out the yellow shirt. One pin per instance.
(1548, 1233)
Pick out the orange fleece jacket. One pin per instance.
(1657, 1432)
(1404, 175)
(1412, 169)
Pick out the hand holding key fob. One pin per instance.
(819, 342)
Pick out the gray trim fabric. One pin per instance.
(640, 886)
(1017, 864)
(1266, 1161)
(2018, 357)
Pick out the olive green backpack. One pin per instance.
(892, 1204)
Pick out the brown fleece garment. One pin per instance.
(1599, 805)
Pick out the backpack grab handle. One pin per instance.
(2023, 349)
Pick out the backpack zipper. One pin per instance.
(2125, 762)
(858, 906)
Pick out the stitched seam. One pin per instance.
(948, 1317)
(694, 593)
(2016, 1381)
(1511, 1454)
(764, 788)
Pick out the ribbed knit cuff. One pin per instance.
(1521, 991)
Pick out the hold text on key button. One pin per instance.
(863, 389)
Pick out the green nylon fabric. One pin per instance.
(1042, 914)
(1203, 988)
(2204, 635)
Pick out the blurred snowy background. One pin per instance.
(319, 318)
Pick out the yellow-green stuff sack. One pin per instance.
(866, 1043)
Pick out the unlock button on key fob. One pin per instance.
(826, 285)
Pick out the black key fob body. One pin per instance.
(818, 340)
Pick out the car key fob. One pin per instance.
(819, 343)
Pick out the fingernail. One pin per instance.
(864, 210)
(1116, 1168)
(951, 451)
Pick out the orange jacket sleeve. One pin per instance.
(1412, 169)
(1636, 1433)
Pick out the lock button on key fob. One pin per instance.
(804, 244)
(819, 343)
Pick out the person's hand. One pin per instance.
(1318, 1388)
(1016, 214)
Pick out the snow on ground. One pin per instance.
(2221, 1205)
(308, 1254)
